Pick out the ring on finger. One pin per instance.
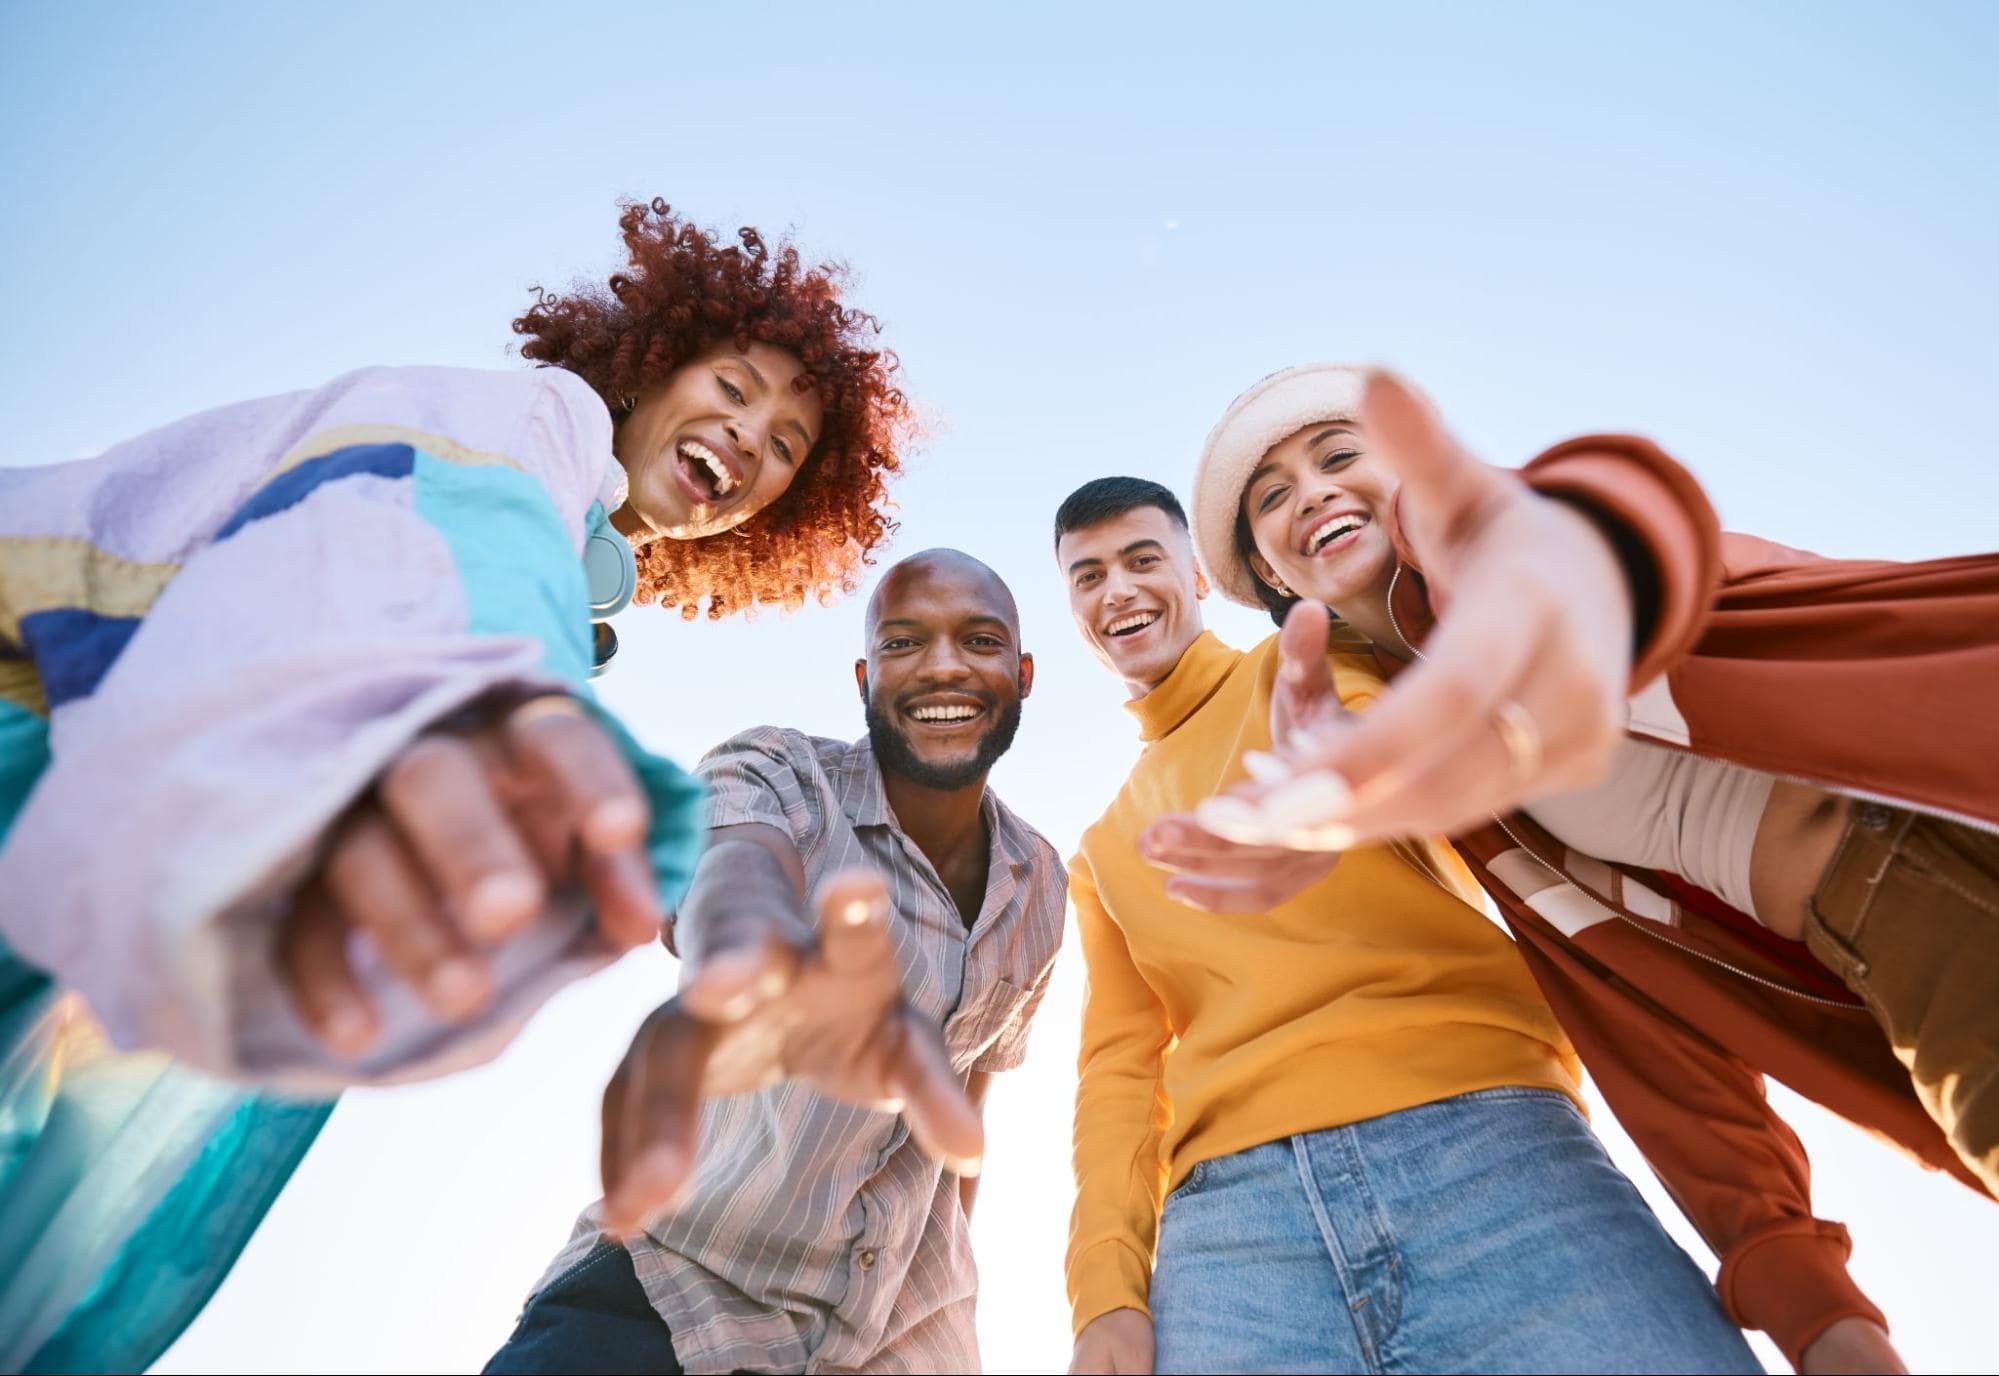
(1520, 736)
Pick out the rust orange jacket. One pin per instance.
(1868, 677)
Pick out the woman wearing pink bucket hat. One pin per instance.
(1777, 871)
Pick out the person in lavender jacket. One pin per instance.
(301, 782)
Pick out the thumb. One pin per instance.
(1301, 647)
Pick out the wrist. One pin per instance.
(1634, 560)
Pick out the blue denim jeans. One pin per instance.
(594, 1320)
(1487, 1232)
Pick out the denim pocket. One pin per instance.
(1192, 1183)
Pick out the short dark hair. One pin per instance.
(1102, 499)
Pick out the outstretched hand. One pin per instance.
(1518, 692)
(761, 1004)
(457, 849)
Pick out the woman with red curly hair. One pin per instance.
(745, 398)
(301, 782)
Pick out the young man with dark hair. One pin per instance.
(1343, 1131)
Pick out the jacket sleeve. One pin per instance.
(1121, 1113)
(378, 582)
(1701, 1118)
(1666, 518)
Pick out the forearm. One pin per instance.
(745, 868)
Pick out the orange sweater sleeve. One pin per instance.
(1121, 1110)
(1735, 1168)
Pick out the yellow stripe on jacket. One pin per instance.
(1375, 990)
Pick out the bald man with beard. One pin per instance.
(790, 1146)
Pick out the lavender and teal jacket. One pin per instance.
(212, 639)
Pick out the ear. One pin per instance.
(1026, 673)
(1268, 575)
(861, 677)
(1201, 586)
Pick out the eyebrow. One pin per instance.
(1126, 552)
(1341, 429)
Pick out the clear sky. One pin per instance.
(1764, 235)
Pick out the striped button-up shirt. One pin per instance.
(818, 1236)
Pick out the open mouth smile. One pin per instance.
(1336, 531)
(1131, 624)
(945, 714)
(703, 474)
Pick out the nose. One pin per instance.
(1117, 587)
(944, 664)
(747, 436)
(1316, 493)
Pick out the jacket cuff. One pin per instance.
(1790, 1280)
(1633, 484)
(1105, 1276)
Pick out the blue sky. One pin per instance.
(1762, 234)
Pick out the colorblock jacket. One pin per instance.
(212, 639)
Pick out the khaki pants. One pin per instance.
(1908, 915)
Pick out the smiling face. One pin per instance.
(715, 443)
(1135, 591)
(944, 674)
(1317, 510)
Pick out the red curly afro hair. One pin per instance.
(682, 292)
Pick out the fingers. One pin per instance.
(313, 964)
(624, 892)
(1443, 486)
(1441, 705)
(437, 793)
(853, 925)
(1179, 845)
(379, 886)
(733, 981)
(1434, 756)
(652, 1118)
(586, 791)
(1229, 895)
(1301, 650)
(1217, 875)
(934, 1104)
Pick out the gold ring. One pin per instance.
(1521, 737)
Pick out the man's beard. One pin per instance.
(897, 754)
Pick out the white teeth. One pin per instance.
(697, 452)
(954, 713)
(1132, 622)
(1332, 530)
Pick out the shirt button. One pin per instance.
(867, 1258)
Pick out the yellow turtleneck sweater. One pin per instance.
(1377, 989)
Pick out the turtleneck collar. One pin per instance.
(1193, 681)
